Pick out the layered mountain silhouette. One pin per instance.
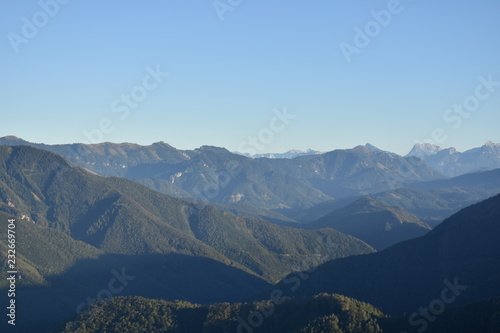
(82, 227)
(374, 222)
(122, 217)
(462, 253)
(219, 176)
(453, 163)
(431, 201)
(77, 231)
(435, 200)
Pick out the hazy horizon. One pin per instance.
(459, 149)
(390, 73)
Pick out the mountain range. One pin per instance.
(221, 177)
(453, 163)
(262, 184)
(284, 191)
(463, 253)
(85, 217)
(431, 201)
(119, 216)
(76, 230)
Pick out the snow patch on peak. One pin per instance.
(491, 144)
(424, 149)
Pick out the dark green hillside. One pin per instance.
(269, 249)
(78, 228)
(322, 313)
(59, 274)
(119, 216)
(113, 214)
(41, 252)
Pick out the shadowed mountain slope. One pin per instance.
(462, 251)
(374, 222)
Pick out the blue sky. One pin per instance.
(228, 78)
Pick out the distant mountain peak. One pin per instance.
(424, 149)
(491, 144)
(363, 149)
(298, 151)
(162, 144)
(214, 149)
(372, 147)
(377, 149)
(13, 140)
(288, 155)
(451, 150)
(12, 137)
